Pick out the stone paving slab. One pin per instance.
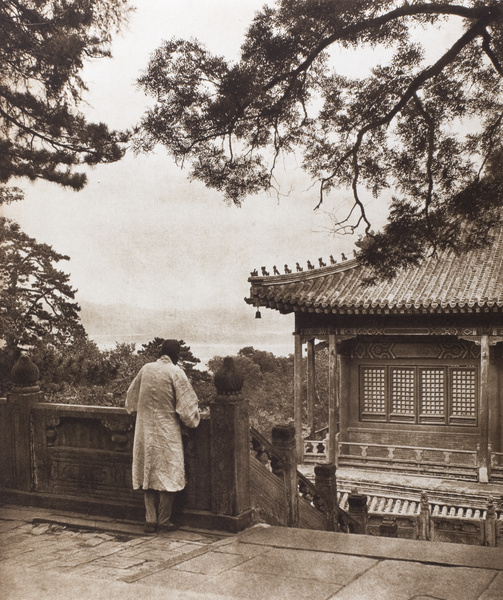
(237, 547)
(305, 564)
(211, 563)
(396, 580)
(495, 590)
(21, 584)
(241, 585)
(443, 553)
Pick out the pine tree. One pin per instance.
(424, 133)
(43, 46)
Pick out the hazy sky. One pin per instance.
(140, 233)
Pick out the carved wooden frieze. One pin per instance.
(353, 331)
(408, 331)
(443, 349)
(382, 350)
(458, 350)
(310, 332)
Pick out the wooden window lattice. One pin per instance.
(402, 391)
(439, 395)
(432, 392)
(374, 390)
(463, 393)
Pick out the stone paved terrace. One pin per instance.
(45, 554)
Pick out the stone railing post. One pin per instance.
(358, 510)
(230, 449)
(326, 484)
(20, 400)
(490, 524)
(283, 440)
(424, 529)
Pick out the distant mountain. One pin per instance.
(210, 331)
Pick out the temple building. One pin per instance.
(415, 363)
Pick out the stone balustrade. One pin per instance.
(79, 457)
(315, 451)
(413, 459)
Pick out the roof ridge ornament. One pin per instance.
(299, 269)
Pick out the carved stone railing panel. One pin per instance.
(82, 450)
(409, 458)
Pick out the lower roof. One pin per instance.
(446, 283)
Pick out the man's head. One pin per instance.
(171, 348)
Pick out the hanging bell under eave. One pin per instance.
(257, 314)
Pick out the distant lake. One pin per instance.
(202, 351)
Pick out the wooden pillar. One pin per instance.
(333, 399)
(483, 447)
(495, 415)
(311, 385)
(229, 448)
(297, 398)
(283, 440)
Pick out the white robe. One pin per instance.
(162, 396)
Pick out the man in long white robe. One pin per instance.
(163, 399)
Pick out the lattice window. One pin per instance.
(402, 391)
(463, 392)
(422, 394)
(432, 392)
(374, 390)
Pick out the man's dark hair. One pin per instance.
(172, 349)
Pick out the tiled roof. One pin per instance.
(467, 283)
